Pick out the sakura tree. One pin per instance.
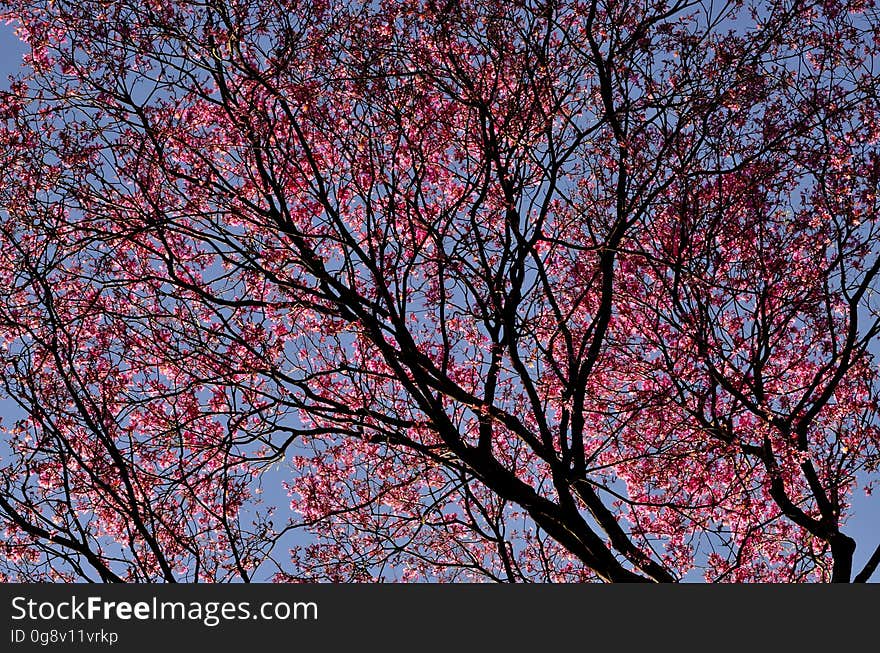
(510, 291)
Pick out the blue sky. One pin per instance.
(864, 525)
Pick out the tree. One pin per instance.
(526, 291)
